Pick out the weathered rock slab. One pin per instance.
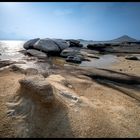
(37, 53)
(131, 58)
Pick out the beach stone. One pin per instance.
(4, 63)
(92, 56)
(37, 53)
(68, 95)
(131, 58)
(17, 68)
(69, 52)
(74, 59)
(27, 71)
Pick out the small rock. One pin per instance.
(70, 96)
(70, 86)
(73, 59)
(4, 63)
(17, 68)
(131, 58)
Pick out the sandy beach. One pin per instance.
(127, 66)
(101, 111)
(69, 70)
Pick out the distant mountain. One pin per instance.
(123, 39)
(117, 40)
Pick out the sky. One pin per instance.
(69, 20)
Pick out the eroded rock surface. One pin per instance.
(37, 53)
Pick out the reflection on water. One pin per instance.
(10, 49)
(104, 61)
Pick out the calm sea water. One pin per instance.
(103, 62)
(10, 51)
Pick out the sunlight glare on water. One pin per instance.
(10, 49)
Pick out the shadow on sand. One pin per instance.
(38, 120)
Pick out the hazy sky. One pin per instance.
(79, 20)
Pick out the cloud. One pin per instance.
(63, 12)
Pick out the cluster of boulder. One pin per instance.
(43, 47)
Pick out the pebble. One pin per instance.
(70, 86)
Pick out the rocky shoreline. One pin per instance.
(51, 100)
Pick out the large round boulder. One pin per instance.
(62, 44)
(29, 44)
(46, 45)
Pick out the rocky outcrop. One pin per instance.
(38, 87)
(105, 74)
(77, 53)
(36, 53)
(46, 90)
(41, 105)
(47, 45)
